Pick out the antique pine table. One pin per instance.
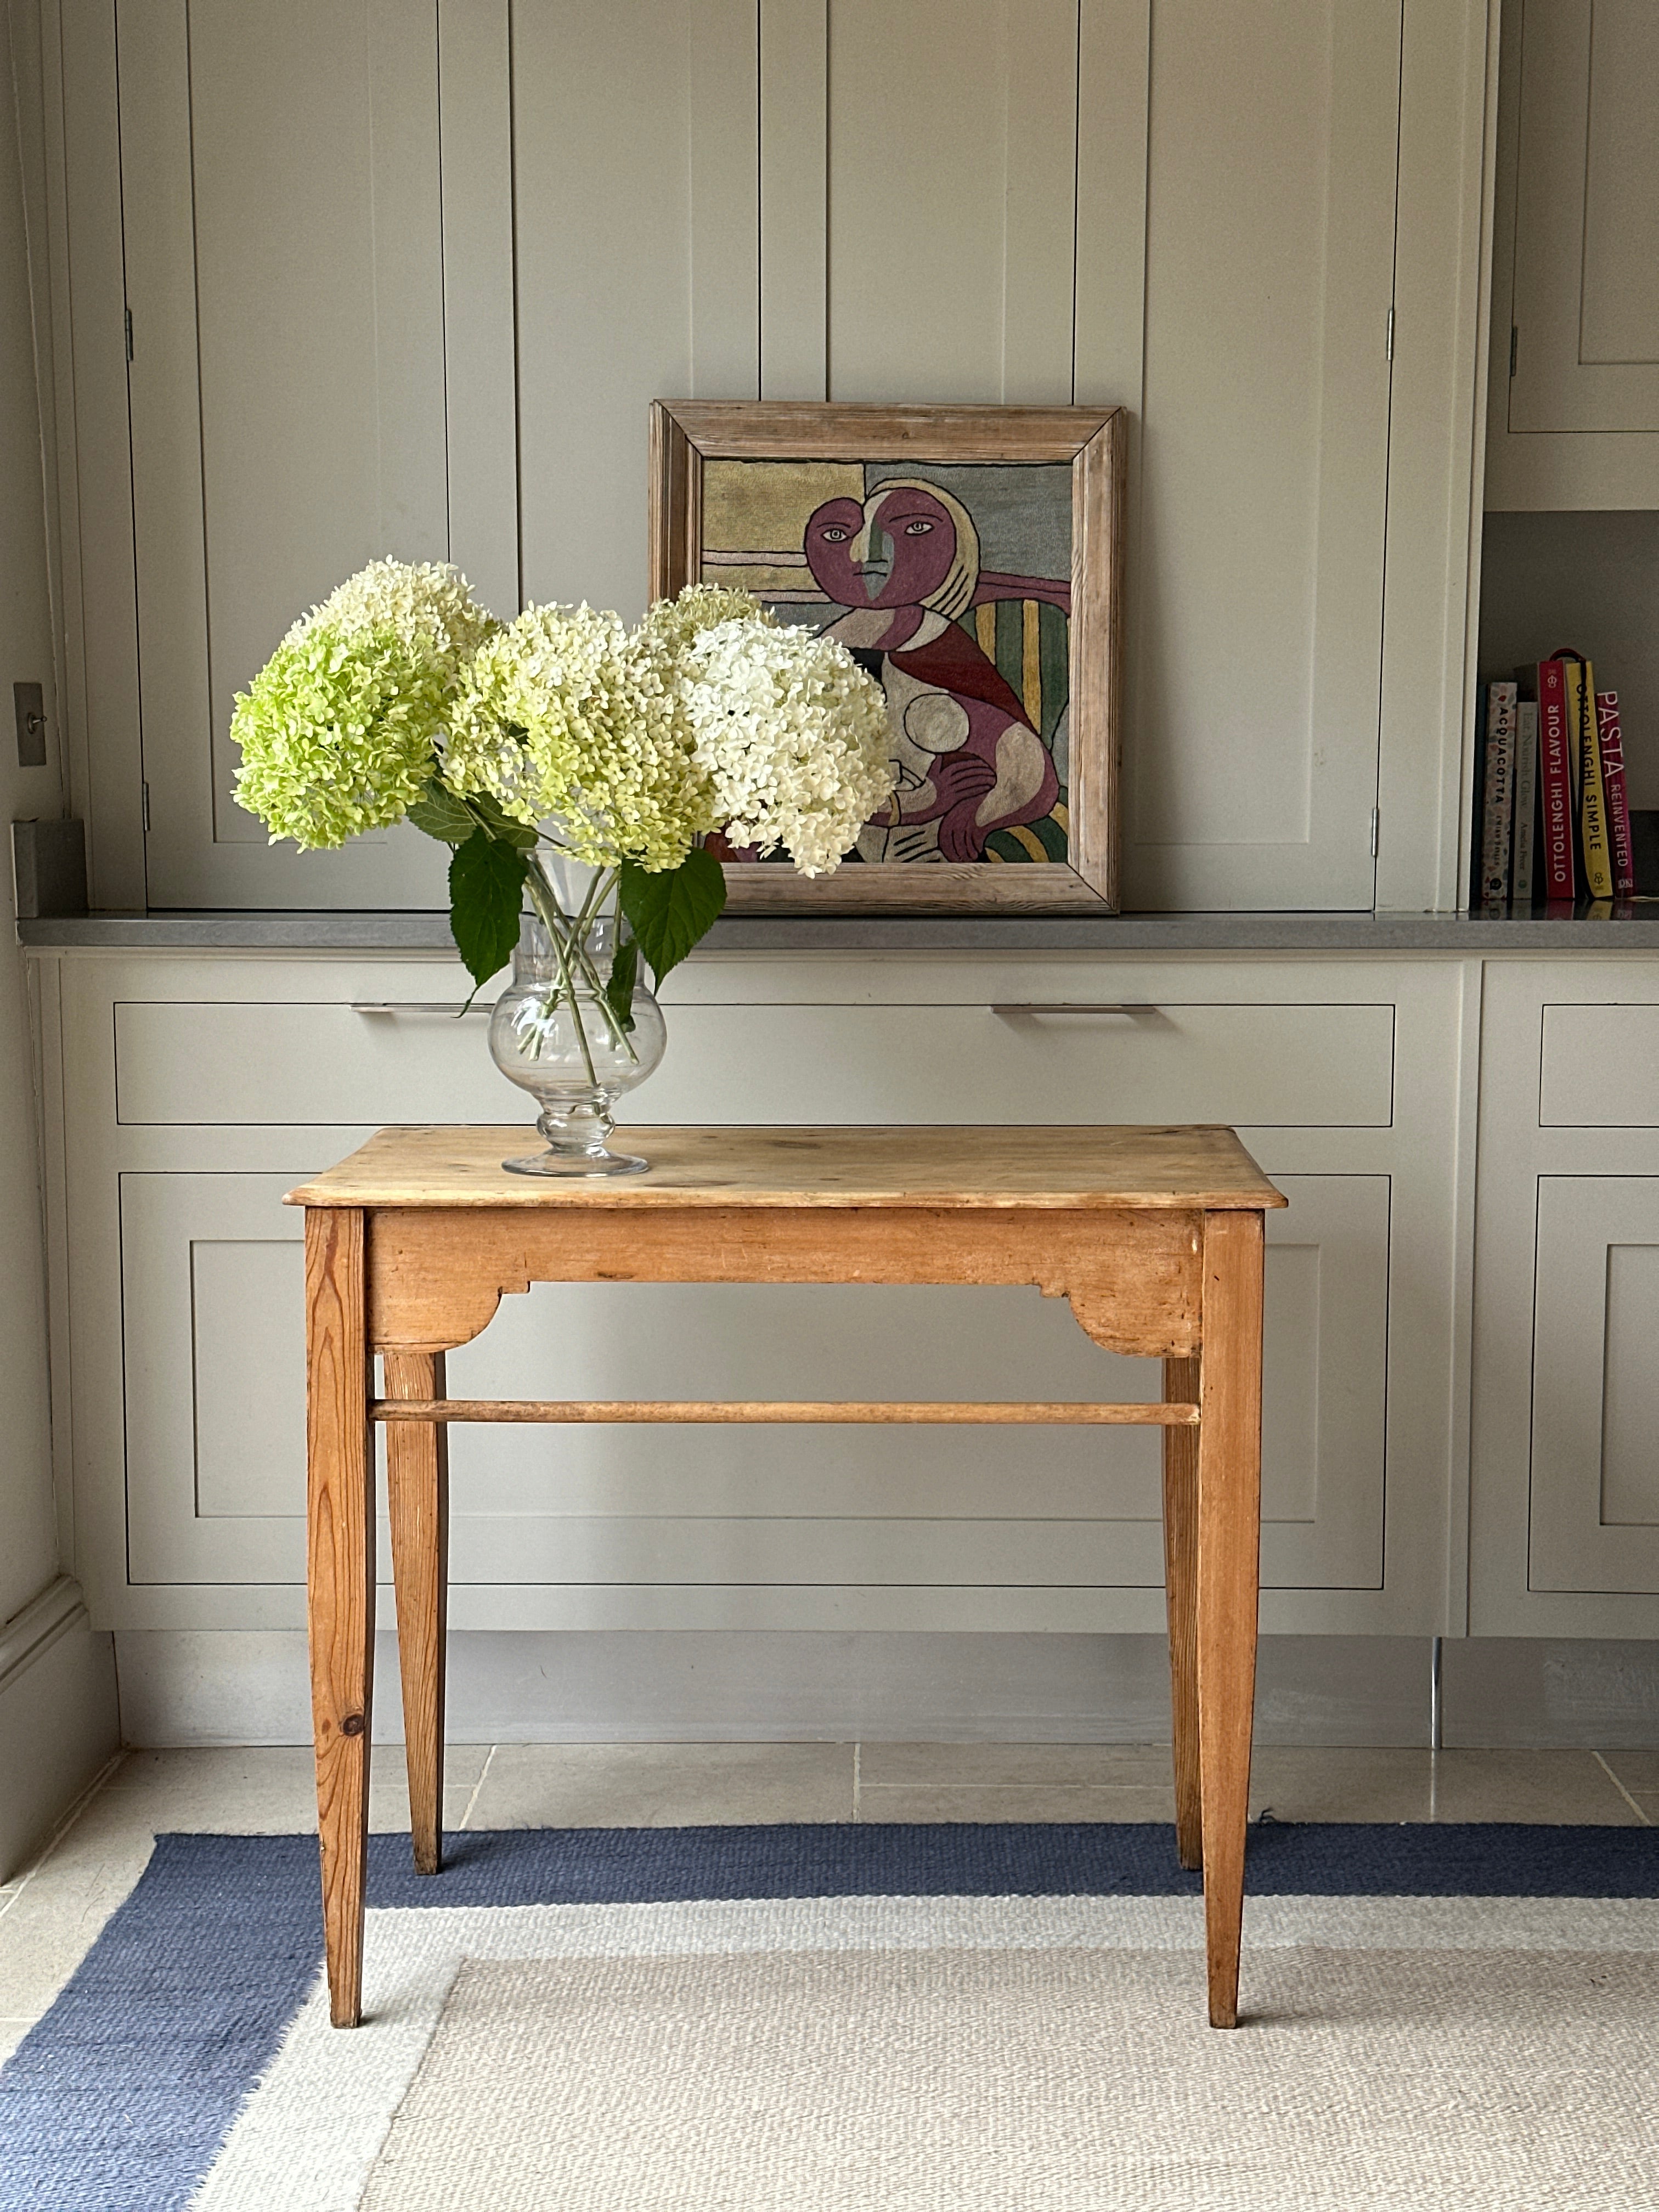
(1154, 1235)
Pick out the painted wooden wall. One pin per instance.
(403, 276)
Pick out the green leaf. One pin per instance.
(486, 890)
(442, 815)
(619, 986)
(505, 828)
(672, 909)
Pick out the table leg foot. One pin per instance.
(340, 1582)
(1181, 1388)
(1228, 1550)
(417, 1487)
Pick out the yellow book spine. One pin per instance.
(1592, 791)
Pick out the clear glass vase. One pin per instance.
(560, 1031)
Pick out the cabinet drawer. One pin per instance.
(1255, 1066)
(1601, 1067)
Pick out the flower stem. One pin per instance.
(575, 944)
(547, 907)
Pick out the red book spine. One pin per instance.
(1617, 800)
(1555, 773)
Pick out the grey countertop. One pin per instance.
(1635, 931)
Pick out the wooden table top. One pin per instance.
(1189, 1167)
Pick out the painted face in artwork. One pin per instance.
(895, 550)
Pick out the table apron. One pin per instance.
(1133, 1275)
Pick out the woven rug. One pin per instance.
(811, 2017)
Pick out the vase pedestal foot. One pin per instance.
(551, 1163)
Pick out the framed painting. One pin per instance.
(969, 557)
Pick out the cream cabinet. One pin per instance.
(1574, 419)
(179, 1271)
(402, 279)
(1564, 1535)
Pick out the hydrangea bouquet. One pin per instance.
(570, 763)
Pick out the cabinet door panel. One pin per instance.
(1587, 219)
(1595, 1385)
(213, 1348)
(637, 233)
(953, 199)
(285, 269)
(1256, 638)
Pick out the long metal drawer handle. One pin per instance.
(1055, 1006)
(419, 1006)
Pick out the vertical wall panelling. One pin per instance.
(284, 270)
(1251, 771)
(953, 199)
(101, 672)
(1435, 437)
(635, 138)
(1110, 277)
(722, 99)
(794, 182)
(474, 123)
(30, 109)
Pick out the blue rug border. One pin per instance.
(221, 1939)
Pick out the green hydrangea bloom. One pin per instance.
(339, 729)
(565, 715)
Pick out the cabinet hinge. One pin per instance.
(1390, 339)
(1515, 342)
(1377, 816)
(144, 791)
(129, 334)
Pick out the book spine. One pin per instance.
(1555, 773)
(1610, 738)
(1499, 811)
(1523, 877)
(1478, 798)
(1592, 796)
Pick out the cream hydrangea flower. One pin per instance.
(339, 728)
(566, 715)
(670, 625)
(792, 736)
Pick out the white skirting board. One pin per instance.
(59, 1718)
(205, 1687)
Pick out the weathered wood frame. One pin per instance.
(1093, 441)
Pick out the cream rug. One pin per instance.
(1050, 2079)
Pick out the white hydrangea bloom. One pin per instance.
(563, 715)
(792, 736)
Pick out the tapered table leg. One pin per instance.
(1229, 1548)
(1181, 1388)
(417, 1485)
(340, 1582)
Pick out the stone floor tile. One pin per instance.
(1089, 1766)
(1549, 1787)
(658, 1785)
(1030, 1801)
(271, 1788)
(1307, 1784)
(1637, 1769)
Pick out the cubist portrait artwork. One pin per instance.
(951, 583)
